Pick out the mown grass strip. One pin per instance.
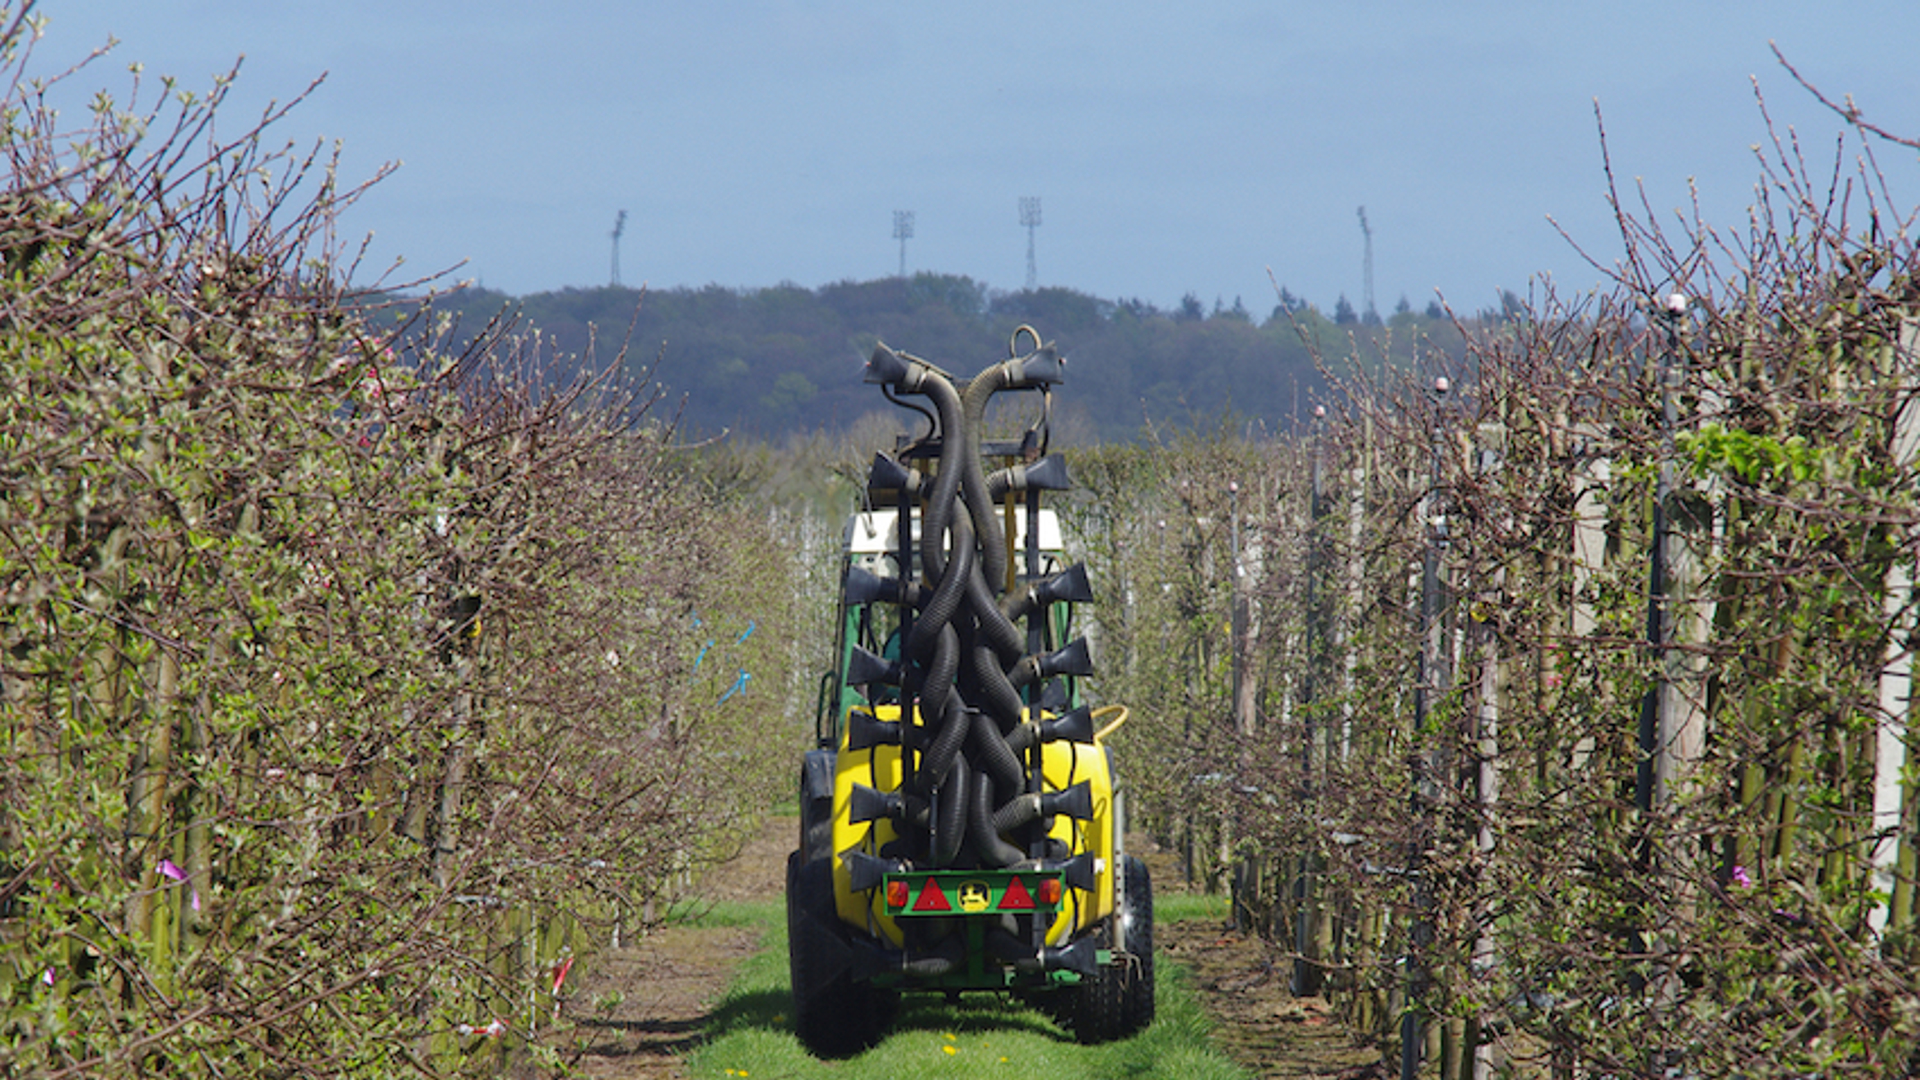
(751, 1034)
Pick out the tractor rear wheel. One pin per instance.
(1117, 1001)
(834, 1015)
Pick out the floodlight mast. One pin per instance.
(619, 227)
(1030, 217)
(903, 231)
(1366, 271)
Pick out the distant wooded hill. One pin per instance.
(769, 362)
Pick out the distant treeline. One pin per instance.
(771, 362)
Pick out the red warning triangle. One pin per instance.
(1016, 898)
(931, 898)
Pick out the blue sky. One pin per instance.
(1176, 148)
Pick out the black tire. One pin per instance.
(816, 805)
(1136, 1005)
(833, 1014)
(1117, 1002)
(816, 828)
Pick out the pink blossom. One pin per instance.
(1740, 877)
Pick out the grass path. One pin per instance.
(749, 1033)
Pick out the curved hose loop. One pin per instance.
(973, 481)
(947, 739)
(935, 685)
(947, 595)
(933, 522)
(1008, 643)
(997, 695)
(955, 800)
(992, 850)
(990, 753)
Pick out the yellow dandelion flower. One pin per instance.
(950, 1049)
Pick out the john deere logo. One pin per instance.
(974, 896)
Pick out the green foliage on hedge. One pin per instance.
(350, 682)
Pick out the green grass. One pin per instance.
(1172, 907)
(751, 1034)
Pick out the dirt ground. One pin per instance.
(670, 979)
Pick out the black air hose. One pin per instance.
(948, 593)
(956, 798)
(947, 738)
(911, 375)
(990, 754)
(1041, 366)
(934, 521)
(1008, 642)
(973, 482)
(995, 692)
(935, 680)
(986, 839)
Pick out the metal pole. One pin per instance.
(1420, 799)
(1659, 626)
(1307, 959)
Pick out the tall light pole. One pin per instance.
(903, 231)
(1366, 271)
(1030, 217)
(619, 226)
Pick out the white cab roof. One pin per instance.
(876, 532)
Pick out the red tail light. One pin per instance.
(897, 894)
(1051, 892)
